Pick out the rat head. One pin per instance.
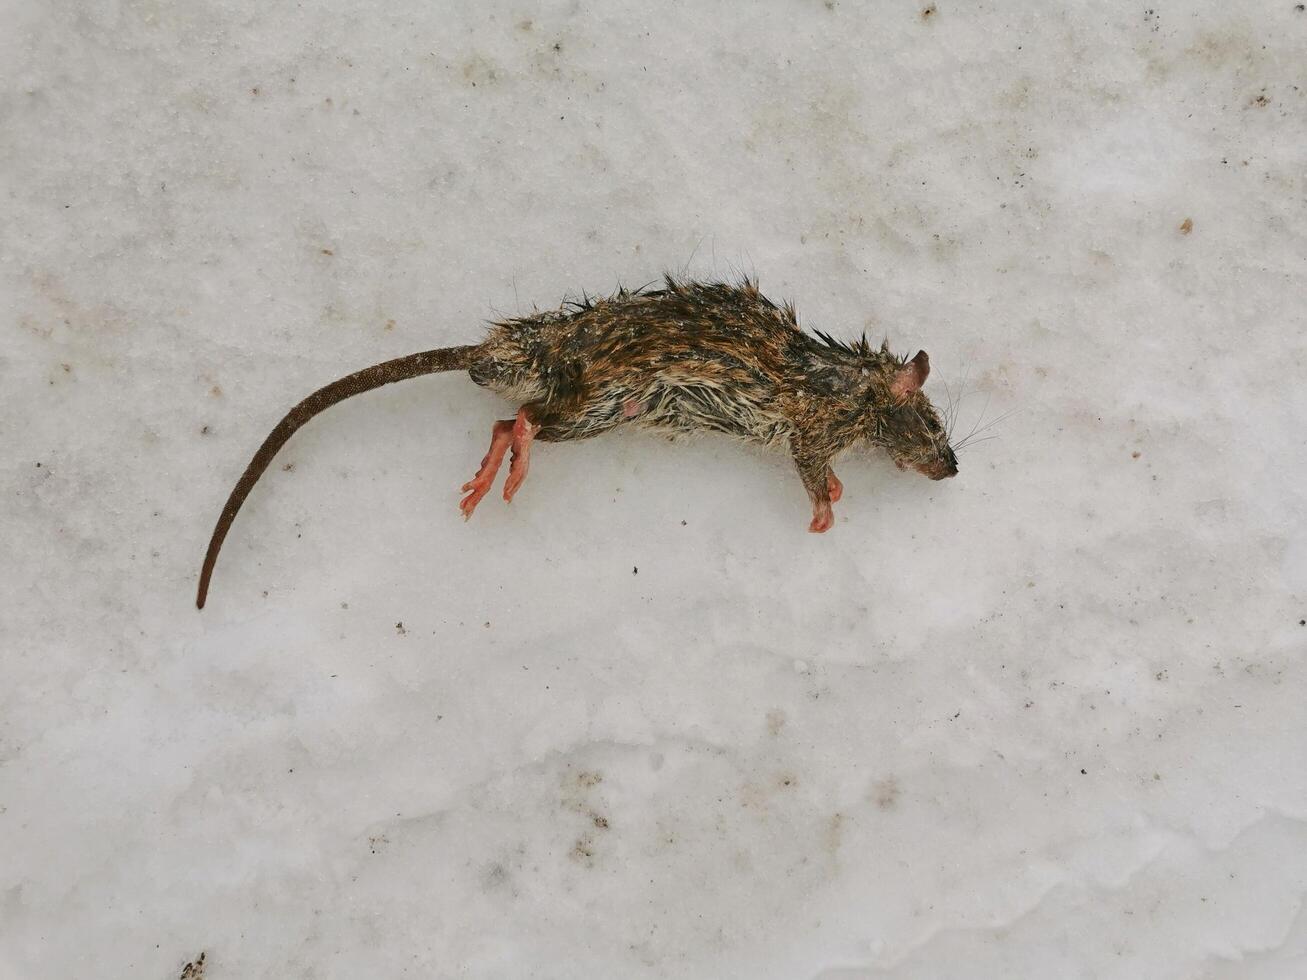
(909, 428)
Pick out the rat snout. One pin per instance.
(944, 471)
(940, 469)
(943, 468)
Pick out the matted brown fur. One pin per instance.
(685, 357)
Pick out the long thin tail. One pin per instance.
(400, 369)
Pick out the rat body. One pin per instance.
(687, 357)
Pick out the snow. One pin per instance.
(1045, 719)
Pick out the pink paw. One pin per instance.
(834, 487)
(823, 519)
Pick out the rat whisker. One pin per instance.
(957, 410)
(948, 411)
(973, 442)
(989, 425)
(979, 430)
(979, 419)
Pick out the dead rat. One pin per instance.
(686, 357)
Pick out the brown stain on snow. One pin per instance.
(885, 794)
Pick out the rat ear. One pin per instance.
(909, 378)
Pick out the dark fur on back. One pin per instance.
(694, 356)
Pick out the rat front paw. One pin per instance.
(834, 487)
(822, 518)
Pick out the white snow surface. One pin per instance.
(1043, 720)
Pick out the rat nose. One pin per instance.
(950, 462)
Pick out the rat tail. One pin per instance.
(400, 369)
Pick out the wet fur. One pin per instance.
(693, 356)
(684, 357)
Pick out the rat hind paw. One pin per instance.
(479, 485)
(524, 430)
(469, 503)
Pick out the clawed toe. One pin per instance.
(480, 485)
(469, 503)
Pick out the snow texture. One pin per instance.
(1045, 719)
